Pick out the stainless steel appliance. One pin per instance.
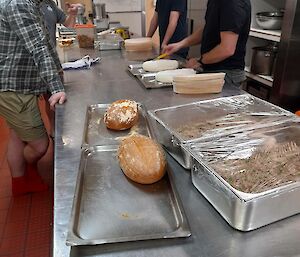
(80, 18)
(286, 86)
(101, 20)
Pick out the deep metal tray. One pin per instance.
(247, 110)
(109, 208)
(96, 132)
(245, 211)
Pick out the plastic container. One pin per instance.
(85, 35)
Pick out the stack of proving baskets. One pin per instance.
(199, 83)
(138, 44)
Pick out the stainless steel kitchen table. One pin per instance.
(211, 235)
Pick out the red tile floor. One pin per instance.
(25, 221)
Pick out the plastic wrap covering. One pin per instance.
(179, 125)
(109, 42)
(257, 160)
(219, 116)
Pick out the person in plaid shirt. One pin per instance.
(29, 67)
(52, 15)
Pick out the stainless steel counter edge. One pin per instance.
(211, 235)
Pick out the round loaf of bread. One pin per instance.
(160, 65)
(142, 159)
(121, 115)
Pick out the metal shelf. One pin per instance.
(266, 80)
(273, 35)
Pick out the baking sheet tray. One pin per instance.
(218, 169)
(148, 81)
(109, 208)
(211, 118)
(96, 132)
(136, 69)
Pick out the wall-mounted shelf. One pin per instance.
(273, 35)
(266, 80)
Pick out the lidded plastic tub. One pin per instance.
(85, 35)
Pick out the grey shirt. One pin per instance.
(52, 15)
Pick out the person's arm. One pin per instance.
(222, 51)
(24, 22)
(191, 40)
(72, 10)
(153, 25)
(173, 20)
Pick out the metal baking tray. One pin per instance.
(109, 208)
(136, 69)
(235, 113)
(96, 132)
(148, 80)
(252, 209)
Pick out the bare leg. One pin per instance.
(15, 155)
(35, 150)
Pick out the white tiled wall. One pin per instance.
(134, 22)
(196, 12)
(121, 5)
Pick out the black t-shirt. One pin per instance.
(163, 9)
(227, 15)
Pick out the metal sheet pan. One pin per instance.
(96, 133)
(148, 81)
(109, 208)
(235, 113)
(136, 69)
(246, 211)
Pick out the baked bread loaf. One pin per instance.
(167, 76)
(160, 65)
(142, 159)
(121, 115)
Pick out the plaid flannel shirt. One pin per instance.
(28, 62)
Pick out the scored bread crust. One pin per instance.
(142, 159)
(121, 115)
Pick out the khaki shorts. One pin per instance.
(22, 114)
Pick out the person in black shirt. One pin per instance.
(170, 17)
(223, 39)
